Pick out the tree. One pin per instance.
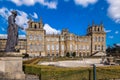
(73, 54)
(113, 50)
(67, 54)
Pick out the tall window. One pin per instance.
(57, 47)
(98, 47)
(70, 47)
(95, 39)
(102, 47)
(102, 38)
(48, 47)
(31, 37)
(31, 47)
(40, 47)
(40, 37)
(62, 47)
(53, 47)
(87, 47)
(95, 47)
(99, 39)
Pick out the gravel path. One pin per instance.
(32, 77)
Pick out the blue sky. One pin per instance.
(74, 15)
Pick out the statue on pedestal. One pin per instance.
(12, 38)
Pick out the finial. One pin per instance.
(93, 23)
(101, 24)
(40, 19)
(30, 19)
(88, 25)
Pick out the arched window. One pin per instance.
(98, 29)
(35, 26)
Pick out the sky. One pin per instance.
(74, 15)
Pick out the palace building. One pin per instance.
(38, 43)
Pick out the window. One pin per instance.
(53, 47)
(57, 47)
(70, 37)
(75, 47)
(31, 47)
(40, 47)
(31, 37)
(84, 47)
(95, 39)
(102, 38)
(95, 47)
(57, 54)
(71, 47)
(102, 47)
(62, 47)
(87, 47)
(62, 39)
(48, 47)
(99, 39)
(40, 37)
(48, 55)
(53, 55)
(98, 47)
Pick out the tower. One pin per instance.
(35, 38)
(98, 38)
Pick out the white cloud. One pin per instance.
(21, 19)
(116, 32)
(50, 30)
(4, 12)
(107, 31)
(114, 10)
(34, 15)
(85, 3)
(50, 4)
(111, 37)
(118, 44)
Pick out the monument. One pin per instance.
(10, 63)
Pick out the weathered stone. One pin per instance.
(11, 68)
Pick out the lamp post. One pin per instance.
(94, 72)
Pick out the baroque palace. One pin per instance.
(38, 43)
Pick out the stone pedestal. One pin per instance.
(11, 68)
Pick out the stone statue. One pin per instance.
(12, 38)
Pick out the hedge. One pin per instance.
(57, 73)
(32, 69)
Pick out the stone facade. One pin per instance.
(38, 43)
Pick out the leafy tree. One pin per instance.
(67, 54)
(113, 50)
(73, 54)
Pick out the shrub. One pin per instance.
(67, 54)
(73, 54)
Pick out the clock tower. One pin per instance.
(35, 38)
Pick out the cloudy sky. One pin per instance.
(74, 15)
